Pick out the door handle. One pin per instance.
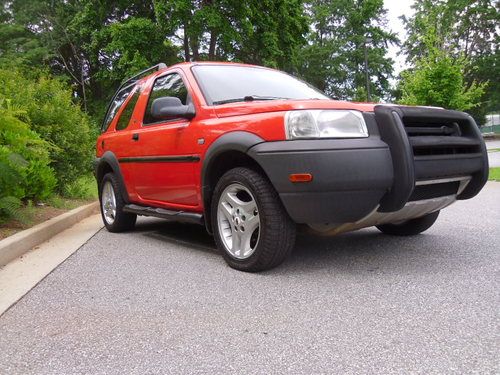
(135, 137)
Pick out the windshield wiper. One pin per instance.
(249, 98)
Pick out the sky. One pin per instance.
(395, 9)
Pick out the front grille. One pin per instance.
(440, 137)
(430, 144)
(430, 191)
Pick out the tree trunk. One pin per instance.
(194, 49)
(187, 55)
(84, 94)
(213, 44)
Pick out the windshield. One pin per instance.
(233, 83)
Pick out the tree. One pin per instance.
(438, 78)
(18, 45)
(266, 32)
(96, 44)
(466, 29)
(334, 59)
(133, 45)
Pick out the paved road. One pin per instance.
(493, 157)
(492, 144)
(161, 301)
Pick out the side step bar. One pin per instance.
(180, 216)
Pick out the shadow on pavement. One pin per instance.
(190, 235)
(365, 250)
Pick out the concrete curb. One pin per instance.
(16, 245)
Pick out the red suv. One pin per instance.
(250, 152)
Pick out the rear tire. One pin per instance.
(252, 229)
(410, 227)
(113, 216)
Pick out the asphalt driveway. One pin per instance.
(494, 154)
(161, 301)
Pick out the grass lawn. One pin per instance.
(494, 150)
(494, 174)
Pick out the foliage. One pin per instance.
(266, 32)
(129, 47)
(24, 158)
(465, 29)
(438, 79)
(46, 107)
(96, 44)
(24, 164)
(334, 58)
(84, 187)
(9, 208)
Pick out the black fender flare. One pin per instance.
(109, 159)
(240, 141)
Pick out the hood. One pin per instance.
(264, 106)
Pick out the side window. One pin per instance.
(169, 85)
(116, 104)
(126, 114)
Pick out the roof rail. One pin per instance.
(129, 81)
(139, 75)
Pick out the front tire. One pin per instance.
(251, 227)
(410, 227)
(113, 216)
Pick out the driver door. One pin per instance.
(164, 171)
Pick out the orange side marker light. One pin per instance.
(300, 177)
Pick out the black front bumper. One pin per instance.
(354, 177)
(349, 177)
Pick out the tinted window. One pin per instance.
(115, 105)
(169, 85)
(126, 114)
(221, 83)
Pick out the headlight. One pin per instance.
(325, 124)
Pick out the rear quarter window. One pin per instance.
(127, 112)
(115, 106)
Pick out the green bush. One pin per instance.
(24, 165)
(24, 160)
(84, 187)
(47, 105)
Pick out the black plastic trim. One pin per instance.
(350, 176)
(393, 133)
(110, 160)
(443, 166)
(161, 159)
(179, 216)
(469, 156)
(234, 141)
(479, 178)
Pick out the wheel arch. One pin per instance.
(227, 152)
(108, 163)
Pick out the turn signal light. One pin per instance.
(300, 177)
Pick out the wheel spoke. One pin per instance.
(227, 210)
(249, 207)
(252, 223)
(245, 242)
(231, 199)
(236, 241)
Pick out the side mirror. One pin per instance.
(170, 107)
